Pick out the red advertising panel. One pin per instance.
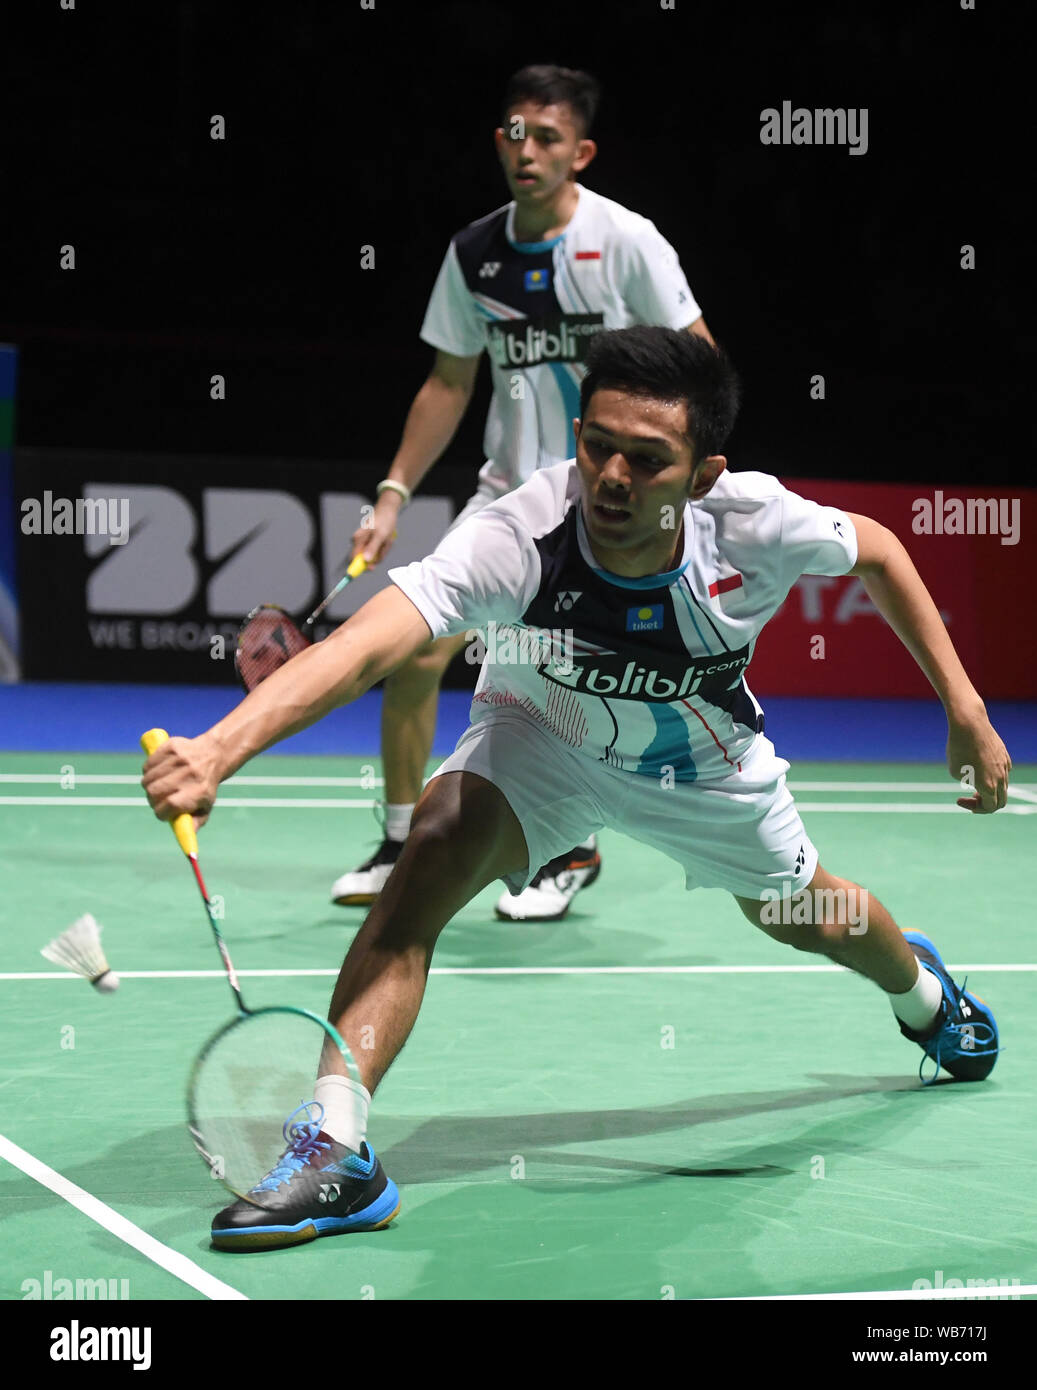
(976, 550)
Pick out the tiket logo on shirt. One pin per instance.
(648, 618)
(553, 338)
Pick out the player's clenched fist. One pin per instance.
(975, 752)
(181, 776)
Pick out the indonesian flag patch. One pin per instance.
(724, 586)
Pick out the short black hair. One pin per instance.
(544, 84)
(668, 365)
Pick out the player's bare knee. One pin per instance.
(456, 824)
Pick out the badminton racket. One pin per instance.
(269, 636)
(254, 1075)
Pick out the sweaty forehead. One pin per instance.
(623, 412)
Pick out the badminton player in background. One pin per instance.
(644, 724)
(529, 284)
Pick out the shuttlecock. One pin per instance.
(79, 948)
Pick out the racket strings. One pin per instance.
(251, 1102)
(268, 638)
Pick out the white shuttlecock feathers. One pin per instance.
(79, 948)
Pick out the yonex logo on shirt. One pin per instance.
(565, 600)
(489, 269)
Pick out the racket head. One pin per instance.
(267, 639)
(248, 1082)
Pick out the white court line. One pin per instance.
(337, 804)
(910, 807)
(99, 779)
(171, 1260)
(1026, 790)
(1002, 1292)
(947, 785)
(272, 802)
(502, 970)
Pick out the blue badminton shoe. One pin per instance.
(318, 1187)
(964, 1038)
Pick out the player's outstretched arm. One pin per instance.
(432, 422)
(896, 589)
(184, 774)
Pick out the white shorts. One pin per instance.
(742, 834)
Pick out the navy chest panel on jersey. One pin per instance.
(639, 652)
(535, 329)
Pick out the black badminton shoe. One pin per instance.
(360, 887)
(317, 1188)
(964, 1038)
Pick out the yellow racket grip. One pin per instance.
(183, 826)
(359, 564)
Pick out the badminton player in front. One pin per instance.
(624, 592)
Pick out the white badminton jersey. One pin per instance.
(535, 306)
(647, 675)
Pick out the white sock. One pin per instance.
(397, 822)
(919, 1005)
(345, 1105)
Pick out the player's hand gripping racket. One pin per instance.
(251, 1087)
(268, 637)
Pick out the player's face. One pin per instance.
(637, 470)
(540, 148)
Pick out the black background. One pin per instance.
(348, 127)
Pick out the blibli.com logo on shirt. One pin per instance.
(536, 279)
(645, 619)
(547, 338)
